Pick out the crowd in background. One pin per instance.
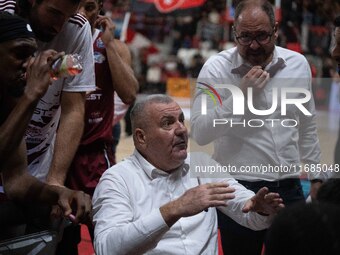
(184, 39)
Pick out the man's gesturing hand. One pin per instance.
(264, 202)
(195, 200)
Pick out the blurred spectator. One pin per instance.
(307, 21)
(197, 63)
(327, 74)
(330, 192)
(154, 82)
(174, 67)
(210, 28)
(311, 229)
(183, 31)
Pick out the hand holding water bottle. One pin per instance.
(37, 77)
(67, 65)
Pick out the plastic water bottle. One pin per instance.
(67, 65)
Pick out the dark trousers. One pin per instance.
(239, 240)
(71, 239)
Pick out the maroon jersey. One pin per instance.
(95, 154)
(99, 106)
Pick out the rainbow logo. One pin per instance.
(211, 92)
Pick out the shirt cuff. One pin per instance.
(154, 223)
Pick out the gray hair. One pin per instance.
(138, 115)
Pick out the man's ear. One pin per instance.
(140, 136)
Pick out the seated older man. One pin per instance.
(148, 204)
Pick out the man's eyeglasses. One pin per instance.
(261, 39)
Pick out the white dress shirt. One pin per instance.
(127, 218)
(272, 144)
